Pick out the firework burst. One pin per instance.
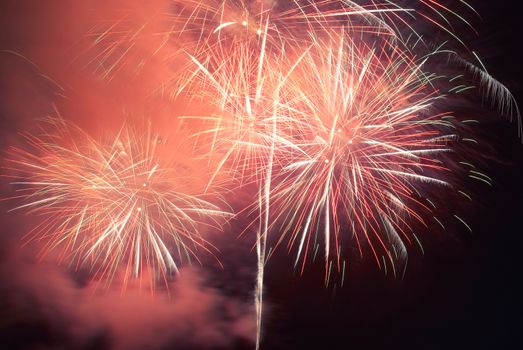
(368, 138)
(248, 121)
(107, 204)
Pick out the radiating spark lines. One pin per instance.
(112, 203)
(369, 139)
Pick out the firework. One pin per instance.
(332, 110)
(127, 202)
(372, 136)
(248, 121)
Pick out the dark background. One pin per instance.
(463, 293)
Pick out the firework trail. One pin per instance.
(243, 133)
(126, 201)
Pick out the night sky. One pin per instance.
(464, 292)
